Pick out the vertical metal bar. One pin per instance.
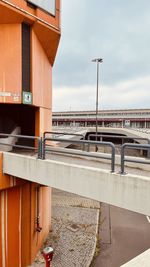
(83, 145)
(40, 148)
(43, 148)
(122, 159)
(113, 158)
(148, 150)
(96, 147)
(88, 146)
(38, 227)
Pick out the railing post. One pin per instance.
(148, 151)
(88, 145)
(43, 148)
(40, 148)
(83, 145)
(113, 159)
(122, 159)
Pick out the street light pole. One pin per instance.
(97, 60)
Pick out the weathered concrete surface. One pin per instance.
(74, 230)
(130, 191)
(128, 234)
(143, 260)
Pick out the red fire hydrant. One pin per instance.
(48, 255)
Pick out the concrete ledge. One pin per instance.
(131, 192)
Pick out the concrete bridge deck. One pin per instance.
(90, 178)
(84, 177)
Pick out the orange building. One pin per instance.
(29, 38)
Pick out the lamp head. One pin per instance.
(100, 60)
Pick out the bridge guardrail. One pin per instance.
(130, 146)
(83, 153)
(121, 137)
(42, 148)
(63, 133)
(39, 140)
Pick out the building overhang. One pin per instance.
(48, 34)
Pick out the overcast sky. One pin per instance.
(117, 31)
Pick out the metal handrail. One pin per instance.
(64, 133)
(20, 136)
(39, 139)
(130, 146)
(82, 153)
(122, 137)
(42, 149)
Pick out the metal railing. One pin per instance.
(101, 136)
(119, 136)
(42, 148)
(55, 134)
(36, 138)
(130, 146)
(82, 153)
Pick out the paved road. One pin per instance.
(124, 235)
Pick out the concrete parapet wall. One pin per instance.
(131, 192)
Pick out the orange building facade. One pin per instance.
(29, 38)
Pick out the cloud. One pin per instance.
(117, 31)
(126, 94)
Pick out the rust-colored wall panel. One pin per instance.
(44, 23)
(22, 4)
(44, 217)
(35, 236)
(10, 67)
(26, 225)
(3, 227)
(45, 123)
(0, 231)
(46, 203)
(19, 240)
(13, 209)
(54, 20)
(16, 12)
(19, 182)
(49, 40)
(41, 75)
(8, 15)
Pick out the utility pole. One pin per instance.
(97, 60)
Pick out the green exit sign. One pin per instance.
(27, 98)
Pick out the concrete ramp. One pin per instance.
(129, 191)
(6, 143)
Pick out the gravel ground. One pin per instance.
(74, 231)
